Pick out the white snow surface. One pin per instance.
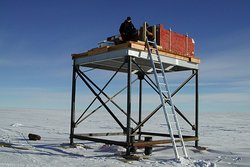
(225, 135)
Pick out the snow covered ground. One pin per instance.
(226, 136)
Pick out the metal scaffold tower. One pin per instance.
(135, 58)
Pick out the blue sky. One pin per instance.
(38, 37)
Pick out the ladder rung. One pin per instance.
(153, 48)
(151, 42)
(173, 123)
(172, 114)
(159, 76)
(179, 147)
(174, 133)
(157, 62)
(164, 91)
(161, 83)
(159, 69)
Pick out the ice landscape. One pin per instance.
(225, 136)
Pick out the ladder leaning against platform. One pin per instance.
(165, 95)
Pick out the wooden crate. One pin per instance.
(174, 42)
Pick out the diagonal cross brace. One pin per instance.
(109, 99)
(112, 77)
(83, 76)
(157, 108)
(97, 108)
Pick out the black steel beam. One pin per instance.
(73, 96)
(106, 141)
(196, 106)
(103, 134)
(129, 64)
(183, 84)
(145, 119)
(140, 77)
(183, 116)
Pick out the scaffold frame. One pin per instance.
(132, 62)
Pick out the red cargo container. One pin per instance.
(174, 42)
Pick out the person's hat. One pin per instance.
(129, 18)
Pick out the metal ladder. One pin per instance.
(165, 95)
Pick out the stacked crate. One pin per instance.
(175, 43)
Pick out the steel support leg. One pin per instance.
(128, 105)
(72, 124)
(196, 107)
(141, 77)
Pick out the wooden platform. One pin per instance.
(133, 45)
(112, 57)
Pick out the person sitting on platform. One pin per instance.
(128, 31)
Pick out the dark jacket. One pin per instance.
(127, 28)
